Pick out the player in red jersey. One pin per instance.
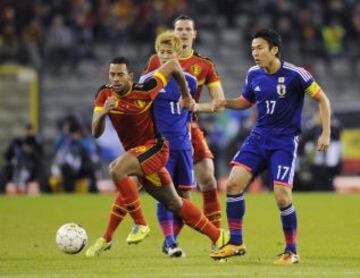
(128, 105)
(204, 70)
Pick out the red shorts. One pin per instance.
(153, 156)
(201, 148)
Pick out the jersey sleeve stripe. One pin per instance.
(145, 76)
(304, 74)
(98, 108)
(214, 84)
(161, 77)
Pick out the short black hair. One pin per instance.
(271, 36)
(121, 60)
(184, 17)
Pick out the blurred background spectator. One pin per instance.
(75, 159)
(321, 167)
(23, 172)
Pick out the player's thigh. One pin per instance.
(200, 146)
(247, 162)
(183, 177)
(126, 164)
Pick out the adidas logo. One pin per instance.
(257, 89)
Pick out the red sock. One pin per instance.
(211, 206)
(117, 214)
(194, 218)
(129, 191)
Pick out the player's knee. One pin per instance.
(283, 200)
(116, 172)
(186, 194)
(234, 187)
(207, 181)
(173, 205)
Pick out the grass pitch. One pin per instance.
(329, 240)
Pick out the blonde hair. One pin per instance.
(171, 39)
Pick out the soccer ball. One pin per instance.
(71, 238)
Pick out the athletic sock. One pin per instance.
(165, 219)
(178, 224)
(193, 217)
(235, 210)
(289, 225)
(211, 206)
(118, 212)
(129, 191)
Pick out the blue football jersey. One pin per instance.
(279, 97)
(171, 120)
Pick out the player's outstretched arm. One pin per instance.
(98, 120)
(216, 93)
(173, 68)
(325, 116)
(235, 104)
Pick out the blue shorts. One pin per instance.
(181, 169)
(275, 152)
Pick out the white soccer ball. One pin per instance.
(71, 238)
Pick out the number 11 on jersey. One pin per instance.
(175, 107)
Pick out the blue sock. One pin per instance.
(289, 225)
(235, 211)
(178, 224)
(165, 219)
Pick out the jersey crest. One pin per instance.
(281, 87)
(196, 70)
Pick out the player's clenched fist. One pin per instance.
(110, 104)
(323, 142)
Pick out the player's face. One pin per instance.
(185, 30)
(166, 53)
(261, 52)
(120, 78)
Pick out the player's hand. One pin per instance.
(110, 104)
(218, 104)
(188, 103)
(323, 142)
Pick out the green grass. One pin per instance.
(329, 236)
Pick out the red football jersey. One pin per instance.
(132, 118)
(200, 67)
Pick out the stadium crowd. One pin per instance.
(36, 32)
